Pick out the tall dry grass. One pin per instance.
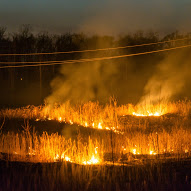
(141, 136)
(92, 114)
(28, 146)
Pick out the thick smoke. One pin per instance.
(83, 82)
(169, 79)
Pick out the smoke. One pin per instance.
(118, 17)
(169, 79)
(162, 82)
(83, 82)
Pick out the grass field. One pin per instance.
(90, 146)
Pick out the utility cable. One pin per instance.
(95, 50)
(93, 59)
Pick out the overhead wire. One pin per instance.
(95, 50)
(49, 63)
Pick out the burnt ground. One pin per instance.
(50, 126)
(125, 123)
(148, 124)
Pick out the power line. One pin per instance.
(95, 50)
(94, 59)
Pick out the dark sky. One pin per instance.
(97, 16)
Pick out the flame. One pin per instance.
(147, 114)
(152, 153)
(31, 152)
(56, 157)
(186, 150)
(71, 122)
(63, 157)
(134, 151)
(59, 119)
(67, 158)
(99, 126)
(93, 160)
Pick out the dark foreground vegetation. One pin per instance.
(168, 175)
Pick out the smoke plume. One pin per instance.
(83, 82)
(169, 79)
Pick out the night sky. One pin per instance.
(100, 16)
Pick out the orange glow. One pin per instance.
(66, 158)
(55, 147)
(152, 153)
(147, 114)
(93, 160)
(99, 126)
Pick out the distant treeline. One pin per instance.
(25, 41)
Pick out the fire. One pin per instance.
(99, 126)
(152, 153)
(71, 122)
(90, 159)
(59, 119)
(63, 157)
(147, 114)
(93, 160)
(186, 150)
(66, 158)
(56, 157)
(134, 151)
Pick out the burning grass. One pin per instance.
(48, 148)
(94, 115)
(97, 148)
(128, 133)
(115, 148)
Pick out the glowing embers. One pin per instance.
(135, 152)
(138, 151)
(147, 114)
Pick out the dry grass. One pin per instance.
(92, 114)
(47, 148)
(140, 136)
(50, 148)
